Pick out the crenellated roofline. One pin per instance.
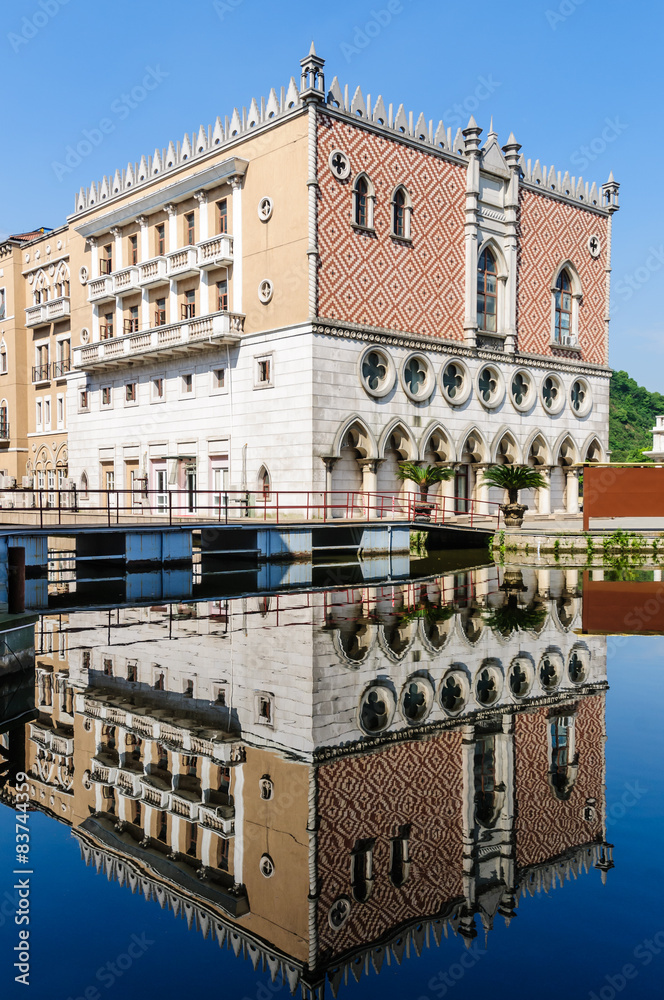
(376, 115)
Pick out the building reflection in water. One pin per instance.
(327, 783)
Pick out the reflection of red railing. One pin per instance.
(180, 506)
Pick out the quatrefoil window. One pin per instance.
(577, 668)
(548, 673)
(578, 396)
(520, 389)
(416, 700)
(488, 384)
(453, 381)
(453, 693)
(487, 687)
(519, 680)
(376, 709)
(339, 164)
(415, 375)
(374, 370)
(339, 913)
(550, 392)
(265, 291)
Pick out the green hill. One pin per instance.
(632, 412)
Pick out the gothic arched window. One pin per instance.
(401, 212)
(363, 202)
(487, 292)
(563, 299)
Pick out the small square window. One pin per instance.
(158, 389)
(187, 384)
(189, 689)
(132, 672)
(265, 709)
(218, 379)
(264, 372)
(83, 400)
(131, 392)
(221, 696)
(108, 667)
(106, 396)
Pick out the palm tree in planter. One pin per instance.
(424, 477)
(514, 478)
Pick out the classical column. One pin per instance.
(369, 468)
(330, 462)
(481, 488)
(236, 297)
(572, 476)
(203, 227)
(544, 582)
(472, 147)
(94, 259)
(142, 220)
(172, 226)
(544, 495)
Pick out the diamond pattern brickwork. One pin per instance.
(374, 279)
(420, 783)
(546, 826)
(551, 232)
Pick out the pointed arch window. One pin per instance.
(363, 203)
(401, 213)
(264, 483)
(487, 292)
(400, 857)
(563, 296)
(361, 870)
(4, 421)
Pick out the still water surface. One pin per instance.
(443, 787)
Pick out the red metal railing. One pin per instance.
(70, 506)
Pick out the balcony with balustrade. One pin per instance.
(161, 342)
(101, 289)
(48, 312)
(126, 281)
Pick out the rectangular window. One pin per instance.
(188, 309)
(160, 312)
(157, 388)
(3, 361)
(264, 372)
(110, 479)
(40, 412)
(222, 216)
(63, 355)
(47, 414)
(3, 303)
(187, 384)
(131, 672)
(61, 411)
(131, 323)
(106, 262)
(218, 378)
(83, 400)
(190, 229)
(160, 231)
(133, 249)
(130, 392)
(106, 395)
(106, 328)
(222, 296)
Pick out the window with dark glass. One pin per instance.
(222, 216)
(188, 309)
(399, 220)
(131, 323)
(161, 239)
(160, 312)
(133, 249)
(106, 328)
(487, 292)
(106, 262)
(222, 296)
(563, 295)
(362, 203)
(190, 229)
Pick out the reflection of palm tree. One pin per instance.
(512, 617)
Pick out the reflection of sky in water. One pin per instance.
(561, 943)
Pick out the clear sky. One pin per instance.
(577, 81)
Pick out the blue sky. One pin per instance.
(577, 81)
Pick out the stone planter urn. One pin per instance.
(422, 510)
(513, 514)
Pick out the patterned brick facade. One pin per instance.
(420, 783)
(551, 232)
(377, 280)
(546, 826)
